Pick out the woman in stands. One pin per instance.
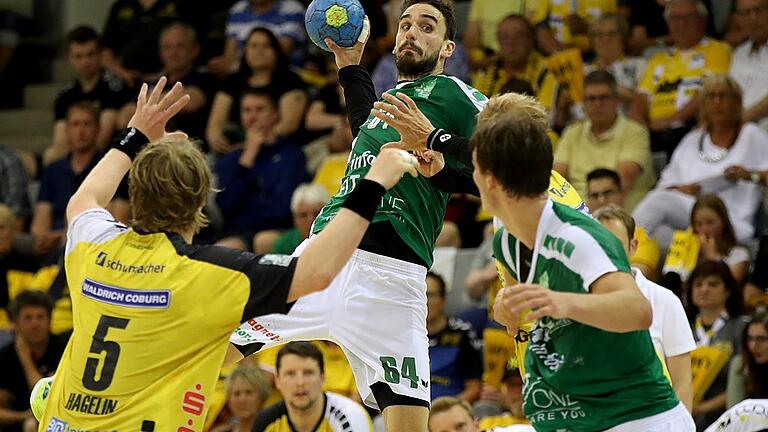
(263, 67)
(748, 375)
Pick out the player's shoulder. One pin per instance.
(226, 257)
(270, 415)
(457, 87)
(578, 228)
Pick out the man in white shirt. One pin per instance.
(749, 65)
(670, 332)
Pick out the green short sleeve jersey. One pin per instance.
(414, 206)
(578, 377)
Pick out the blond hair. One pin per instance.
(446, 403)
(713, 83)
(514, 106)
(253, 376)
(168, 185)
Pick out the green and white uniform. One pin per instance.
(578, 377)
(375, 309)
(414, 206)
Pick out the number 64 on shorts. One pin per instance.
(394, 374)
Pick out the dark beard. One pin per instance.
(410, 68)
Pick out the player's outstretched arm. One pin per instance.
(613, 304)
(147, 124)
(327, 254)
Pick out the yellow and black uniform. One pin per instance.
(673, 77)
(554, 14)
(339, 415)
(152, 317)
(493, 77)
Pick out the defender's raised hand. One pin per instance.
(154, 111)
(390, 165)
(401, 113)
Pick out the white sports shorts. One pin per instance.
(678, 419)
(375, 310)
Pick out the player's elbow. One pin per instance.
(644, 314)
(313, 283)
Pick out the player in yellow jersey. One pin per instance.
(152, 312)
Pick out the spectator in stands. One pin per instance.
(332, 167)
(668, 99)
(179, 49)
(648, 28)
(34, 354)
(509, 398)
(299, 377)
(561, 24)
(92, 83)
(307, 201)
(450, 414)
(284, 18)
(132, 29)
(12, 73)
(61, 179)
(455, 353)
(714, 305)
(709, 219)
(670, 332)
(748, 373)
(607, 139)
(723, 156)
(749, 67)
(328, 109)
(13, 186)
(246, 392)
(480, 37)
(603, 188)
(609, 35)
(14, 267)
(756, 288)
(257, 181)
(263, 67)
(516, 58)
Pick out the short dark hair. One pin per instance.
(257, 92)
(301, 349)
(29, 298)
(517, 151)
(601, 77)
(519, 86)
(600, 173)
(733, 304)
(440, 282)
(80, 35)
(444, 8)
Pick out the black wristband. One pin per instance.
(365, 198)
(130, 141)
(438, 134)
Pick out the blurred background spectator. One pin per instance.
(749, 66)
(748, 373)
(307, 201)
(246, 390)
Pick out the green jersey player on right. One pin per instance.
(590, 364)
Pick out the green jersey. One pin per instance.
(414, 206)
(578, 377)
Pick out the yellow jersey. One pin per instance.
(673, 77)
(492, 78)
(152, 318)
(554, 13)
(339, 415)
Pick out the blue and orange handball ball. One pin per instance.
(340, 20)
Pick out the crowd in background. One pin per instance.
(668, 120)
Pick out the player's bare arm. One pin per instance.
(152, 113)
(613, 304)
(330, 251)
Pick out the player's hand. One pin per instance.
(400, 112)
(736, 173)
(390, 165)
(154, 111)
(352, 55)
(23, 351)
(504, 315)
(430, 162)
(544, 301)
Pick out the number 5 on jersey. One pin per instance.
(394, 375)
(111, 352)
